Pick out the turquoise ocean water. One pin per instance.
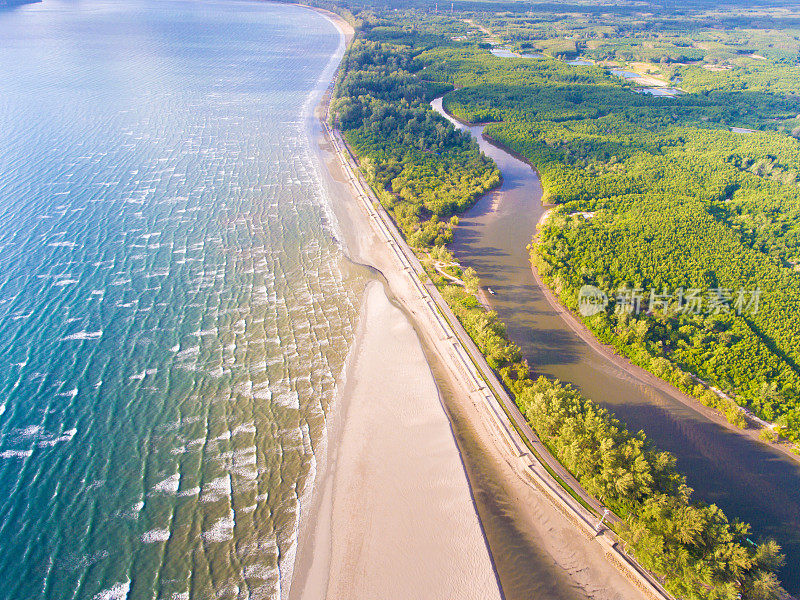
(174, 307)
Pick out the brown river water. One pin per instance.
(746, 478)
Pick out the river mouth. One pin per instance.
(747, 479)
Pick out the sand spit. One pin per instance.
(396, 518)
(568, 563)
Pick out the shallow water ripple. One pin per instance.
(174, 308)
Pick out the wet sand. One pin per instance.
(748, 479)
(397, 518)
(392, 514)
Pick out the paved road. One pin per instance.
(485, 380)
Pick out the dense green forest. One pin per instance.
(423, 170)
(650, 192)
(658, 193)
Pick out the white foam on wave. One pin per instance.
(245, 428)
(261, 571)
(16, 453)
(190, 492)
(189, 352)
(155, 535)
(223, 436)
(63, 282)
(245, 463)
(64, 437)
(289, 399)
(262, 392)
(217, 372)
(217, 489)
(168, 486)
(29, 431)
(222, 530)
(83, 335)
(205, 332)
(118, 591)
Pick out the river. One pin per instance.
(746, 478)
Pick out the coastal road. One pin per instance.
(523, 443)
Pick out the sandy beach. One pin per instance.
(392, 514)
(414, 461)
(396, 518)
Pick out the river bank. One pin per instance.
(535, 547)
(755, 425)
(745, 477)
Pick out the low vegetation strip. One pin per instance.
(692, 547)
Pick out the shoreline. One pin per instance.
(355, 522)
(601, 566)
(313, 505)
